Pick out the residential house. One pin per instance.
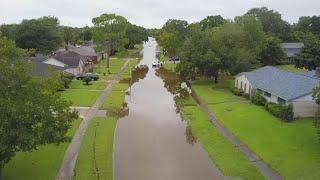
(281, 87)
(70, 62)
(42, 68)
(292, 49)
(87, 53)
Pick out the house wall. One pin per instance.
(74, 71)
(246, 86)
(54, 62)
(304, 106)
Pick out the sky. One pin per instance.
(148, 13)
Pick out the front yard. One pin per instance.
(290, 148)
(39, 164)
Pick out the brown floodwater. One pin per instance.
(152, 142)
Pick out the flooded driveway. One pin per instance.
(151, 142)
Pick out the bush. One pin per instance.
(236, 91)
(258, 99)
(284, 112)
(87, 80)
(246, 95)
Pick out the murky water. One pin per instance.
(152, 142)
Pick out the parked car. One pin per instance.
(93, 76)
(174, 58)
(156, 64)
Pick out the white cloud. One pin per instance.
(148, 13)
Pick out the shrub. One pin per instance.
(87, 80)
(284, 112)
(258, 99)
(236, 91)
(246, 95)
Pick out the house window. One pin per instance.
(245, 87)
(267, 94)
(237, 83)
(249, 89)
(241, 85)
(281, 101)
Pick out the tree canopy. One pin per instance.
(41, 34)
(136, 35)
(31, 110)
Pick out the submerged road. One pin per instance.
(151, 142)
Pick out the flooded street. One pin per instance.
(151, 142)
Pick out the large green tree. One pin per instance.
(112, 28)
(271, 52)
(309, 24)
(31, 110)
(41, 34)
(272, 22)
(136, 35)
(172, 35)
(212, 21)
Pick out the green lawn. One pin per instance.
(291, 68)
(116, 97)
(228, 159)
(115, 65)
(170, 66)
(94, 85)
(81, 97)
(40, 164)
(290, 148)
(95, 156)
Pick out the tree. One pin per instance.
(309, 57)
(253, 30)
(212, 21)
(271, 52)
(9, 30)
(172, 35)
(40, 34)
(309, 24)
(110, 27)
(272, 22)
(86, 34)
(68, 35)
(32, 112)
(87, 80)
(135, 35)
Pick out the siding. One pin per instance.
(304, 106)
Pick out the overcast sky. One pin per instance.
(147, 13)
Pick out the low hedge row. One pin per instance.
(284, 112)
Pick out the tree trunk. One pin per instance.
(216, 78)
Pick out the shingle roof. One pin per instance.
(68, 57)
(283, 84)
(42, 68)
(83, 50)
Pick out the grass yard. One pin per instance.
(228, 159)
(95, 156)
(170, 66)
(291, 68)
(43, 163)
(81, 97)
(290, 148)
(115, 65)
(94, 85)
(116, 97)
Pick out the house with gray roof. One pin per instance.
(87, 52)
(292, 49)
(70, 62)
(281, 87)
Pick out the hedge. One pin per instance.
(237, 92)
(284, 112)
(258, 99)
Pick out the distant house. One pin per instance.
(42, 68)
(292, 49)
(86, 52)
(70, 62)
(281, 87)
